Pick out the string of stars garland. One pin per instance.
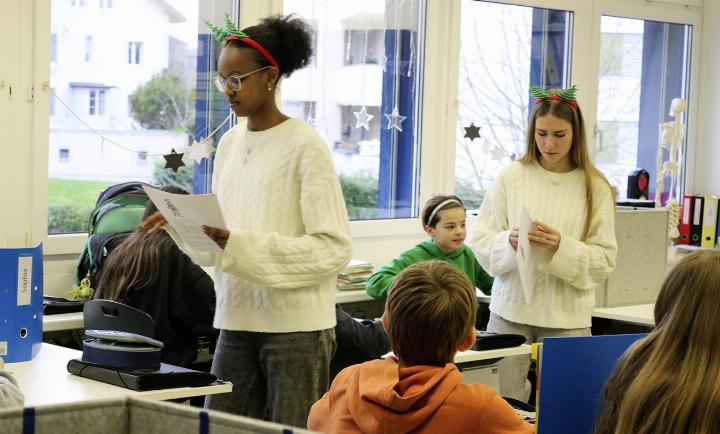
(498, 153)
(197, 150)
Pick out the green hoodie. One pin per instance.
(463, 258)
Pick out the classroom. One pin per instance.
(280, 169)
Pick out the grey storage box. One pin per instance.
(131, 416)
(642, 239)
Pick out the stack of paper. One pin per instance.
(354, 275)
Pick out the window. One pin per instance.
(134, 51)
(88, 49)
(519, 45)
(64, 154)
(97, 102)
(361, 94)
(100, 93)
(643, 66)
(53, 47)
(105, 4)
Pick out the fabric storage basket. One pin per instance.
(130, 416)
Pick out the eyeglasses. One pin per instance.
(234, 82)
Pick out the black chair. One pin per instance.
(112, 315)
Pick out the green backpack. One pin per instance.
(118, 211)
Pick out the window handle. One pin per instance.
(598, 133)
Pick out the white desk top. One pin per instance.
(352, 296)
(63, 321)
(642, 314)
(45, 380)
(473, 356)
(70, 321)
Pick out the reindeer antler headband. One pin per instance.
(567, 95)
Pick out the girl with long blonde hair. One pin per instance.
(669, 381)
(572, 205)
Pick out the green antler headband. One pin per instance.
(568, 95)
(232, 33)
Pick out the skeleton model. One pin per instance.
(671, 137)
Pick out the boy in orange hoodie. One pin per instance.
(429, 315)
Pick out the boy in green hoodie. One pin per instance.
(443, 219)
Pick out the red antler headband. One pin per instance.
(232, 33)
(567, 95)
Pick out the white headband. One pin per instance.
(440, 205)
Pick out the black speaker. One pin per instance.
(638, 184)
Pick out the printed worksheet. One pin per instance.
(527, 254)
(187, 213)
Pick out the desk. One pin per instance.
(71, 321)
(63, 321)
(45, 380)
(642, 314)
(475, 356)
(352, 296)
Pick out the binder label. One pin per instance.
(698, 215)
(3, 348)
(24, 280)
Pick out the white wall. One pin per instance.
(706, 177)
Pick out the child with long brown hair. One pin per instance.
(573, 207)
(149, 272)
(669, 381)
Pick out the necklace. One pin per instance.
(248, 149)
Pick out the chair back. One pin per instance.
(112, 315)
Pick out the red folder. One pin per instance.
(686, 214)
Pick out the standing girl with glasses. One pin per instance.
(573, 207)
(288, 233)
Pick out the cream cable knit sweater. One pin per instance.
(564, 292)
(289, 231)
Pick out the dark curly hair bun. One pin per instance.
(288, 39)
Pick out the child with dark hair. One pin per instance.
(429, 316)
(288, 233)
(443, 219)
(149, 272)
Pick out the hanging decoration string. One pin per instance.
(395, 118)
(105, 139)
(362, 117)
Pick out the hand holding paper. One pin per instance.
(188, 213)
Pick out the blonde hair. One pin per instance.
(430, 311)
(670, 380)
(579, 153)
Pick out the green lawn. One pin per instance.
(73, 192)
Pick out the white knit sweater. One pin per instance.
(289, 231)
(564, 291)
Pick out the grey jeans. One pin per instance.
(513, 370)
(275, 376)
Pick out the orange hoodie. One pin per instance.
(380, 397)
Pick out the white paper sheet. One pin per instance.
(527, 254)
(187, 213)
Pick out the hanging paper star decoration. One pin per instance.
(173, 160)
(394, 119)
(472, 132)
(363, 118)
(498, 153)
(200, 150)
